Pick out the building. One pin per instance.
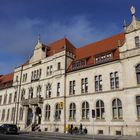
(62, 85)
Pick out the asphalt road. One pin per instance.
(60, 137)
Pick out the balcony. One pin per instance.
(32, 101)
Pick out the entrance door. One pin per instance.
(29, 117)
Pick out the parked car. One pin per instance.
(8, 129)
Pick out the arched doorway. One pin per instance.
(30, 116)
(38, 114)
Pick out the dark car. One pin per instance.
(8, 129)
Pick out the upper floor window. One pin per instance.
(138, 106)
(117, 109)
(48, 90)
(38, 91)
(72, 111)
(58, 89)
(114, 80)
(0, 99)
(3, 115)
(10, 98)
(137, 41)
(98, 83)
(79, 64)
(16, 78)
(36, 74)
(21, 114)
(30, 93)
(8, 112)
(138, 73)
(15, 96)
(13, 114)
(100, 109)
(84, 85)
(22, 94)
(48, 112)
(85, 110)
(5, 99)
(24, 78)
(49, 70)
(58, 66)
(72, 87)
(103, 58)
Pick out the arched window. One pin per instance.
(57, 112)
(48, 112)
(30, 92)
(117, 109)
(3, 115)
(85, 110)
(138, 106)
(22, 94)
(21, 114)
(138, 73)
(72, 111)
(48, 90)
(100, 109)
(38, 90)
(13, 114)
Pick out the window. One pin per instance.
(48, 112)
(0, 100)
(98, 83)
(85, 110)
(16, 78)
(57, 112)
(49, 70)
(79, 64)
(114, 80)
(48, 90)
(21, 114)
(58, 89)
(138, 106)
(117, 109)
(3, 115)
(22, 94)
(72, 87)
(36, 74)
(72, 111)
(103, 58)
(137, 41)
(13, 114)
(30, 93)
(10, 98)
(24, 77)
(8, 112)
(138, 73)
(38, 91)
(5, 99)
(15, 96)
(84, 85)
(100, 109)
(58, 66)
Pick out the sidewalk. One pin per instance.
(105, 137)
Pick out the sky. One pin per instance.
(81, 21)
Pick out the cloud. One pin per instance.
(18, 38)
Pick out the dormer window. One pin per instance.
(137, 41)
(79, 64)
(103, 58)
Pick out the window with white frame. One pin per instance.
(58, 89)
(10, 98)
(30, 93)
(8, 112)
(138, 106)
(138, 73)
(13, 114)
(48, 112)
(98, 83)
(100, 109)
(38, 91)
(57, 115)
(117, 109)
(114, 80)
(85, 110)
(3, 115)
(21, 114)
(36, 74)
(22, 95)
(48, 90)
(72, 87)
(72, 111)
(84, 85)
(137, 41)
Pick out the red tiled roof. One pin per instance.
(89, 52)
(6, 80)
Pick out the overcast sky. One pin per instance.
(81, 21)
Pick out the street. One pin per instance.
(58, 136)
